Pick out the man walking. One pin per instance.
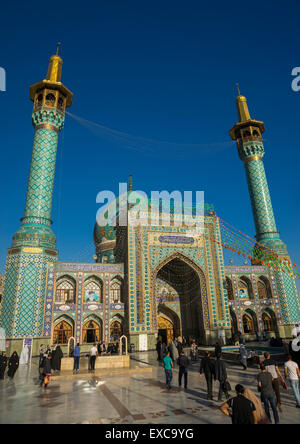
(243, 410)
(168, 366)
(93, 356)
(173, 351)
(183, 363)
(243, 356)
(291, 371)
(179, 345)
(221, 376)
(208, 368)
(267, 393)
(272, 367)
(41, 352)
(158, 349)
(76, 358)
(218, 349)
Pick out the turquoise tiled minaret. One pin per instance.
(34, 244)
(248, 135)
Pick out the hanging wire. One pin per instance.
(147, 145)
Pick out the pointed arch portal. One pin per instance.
(179, 304)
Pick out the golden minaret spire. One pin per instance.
(245, 122)
(55, 67)
(242, 106)
(61, 96)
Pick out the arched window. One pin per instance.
(65, 293)
(91, 332)
(255, 133)
(60, 104)
(248, 324)
(263, 281)
(92, 292)
(116, 331)
(39, 100)
(262, 290)
(63, 331)
(247, 134)
(50, 99)
(245, 288)
(268, 324)
(115, 292)
(229, 288)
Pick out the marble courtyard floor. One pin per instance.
(135, 397)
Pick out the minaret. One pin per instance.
(248, 135)
(34, 244)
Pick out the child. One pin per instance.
(47, 371)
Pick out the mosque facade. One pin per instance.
(146, 281)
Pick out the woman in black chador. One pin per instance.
(13, 365)
(56, 359)
(3, 364)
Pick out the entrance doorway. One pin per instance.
(180, 300)
(91, 332)
(165, 330)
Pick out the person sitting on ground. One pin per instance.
(243, 411)
(109, 349)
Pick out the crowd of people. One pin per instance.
(246, 407)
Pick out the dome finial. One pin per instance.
(57, 48)
(238, 89)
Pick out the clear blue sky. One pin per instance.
(162, 70)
